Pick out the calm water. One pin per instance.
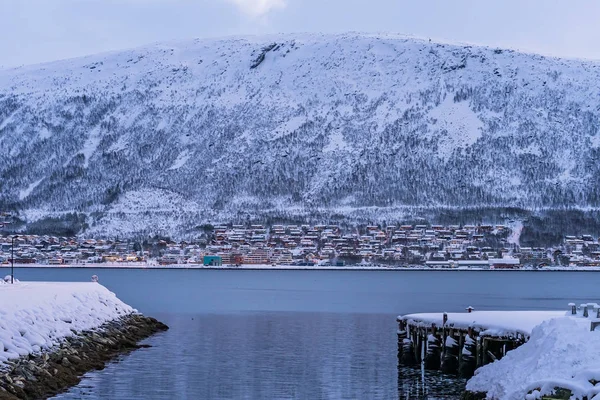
(296, 334)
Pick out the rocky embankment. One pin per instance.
(39, 376)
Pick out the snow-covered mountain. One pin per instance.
(165, 137)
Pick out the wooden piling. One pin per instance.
(434, 346)
(451, 355)
(468, 363)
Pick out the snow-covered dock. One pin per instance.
(512, 354)
(486, 323)
(459, 343)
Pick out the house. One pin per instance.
(212, 261)
(504, 263)
(257, 256)
(440, 264)
(483, 264)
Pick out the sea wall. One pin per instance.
(47, 373)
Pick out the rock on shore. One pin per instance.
(45, 374)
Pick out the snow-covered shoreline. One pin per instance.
(53, 333)
(36, 316)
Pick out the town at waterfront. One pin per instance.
(303, 246)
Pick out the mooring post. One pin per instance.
(425, 335)
(585, 310)
(478, 359)
(433, 348)
(401, 337)
(416, 344)
(573, 308)
(484, 351)
(423, 342)
(451, 355)
(444, 338)
(468, 361)
(461, 343)
(408, 345)
(595, 323)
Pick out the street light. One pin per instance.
(12, 258)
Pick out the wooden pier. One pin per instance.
(459, 343)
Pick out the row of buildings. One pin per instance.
(436, 246)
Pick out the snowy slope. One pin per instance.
(240, 126)
(35, 316)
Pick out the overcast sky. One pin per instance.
(34, 31)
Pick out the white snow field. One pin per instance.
(35, 316)
(561, 353)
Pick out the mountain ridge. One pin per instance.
(215, 129)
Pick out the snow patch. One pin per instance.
(44, 133)
(595, 140)
(289, 126)
(8, 120)
(90, 146)
(455, 125)
(516, 228)
(27, 191)
(162, 125)
(119, 145)
(182, 158)
(336, 142)
(567, 162)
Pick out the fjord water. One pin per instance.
(296, 334)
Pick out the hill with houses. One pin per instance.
(165, 138)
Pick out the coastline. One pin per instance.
(259, 267)
(51, 333)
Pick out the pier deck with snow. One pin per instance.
(458, 343)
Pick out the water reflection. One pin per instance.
(257, 356)
(295, 334)
(414, 383)
(266, 356)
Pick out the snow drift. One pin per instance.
(561, 352)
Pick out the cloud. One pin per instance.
(258, 8)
